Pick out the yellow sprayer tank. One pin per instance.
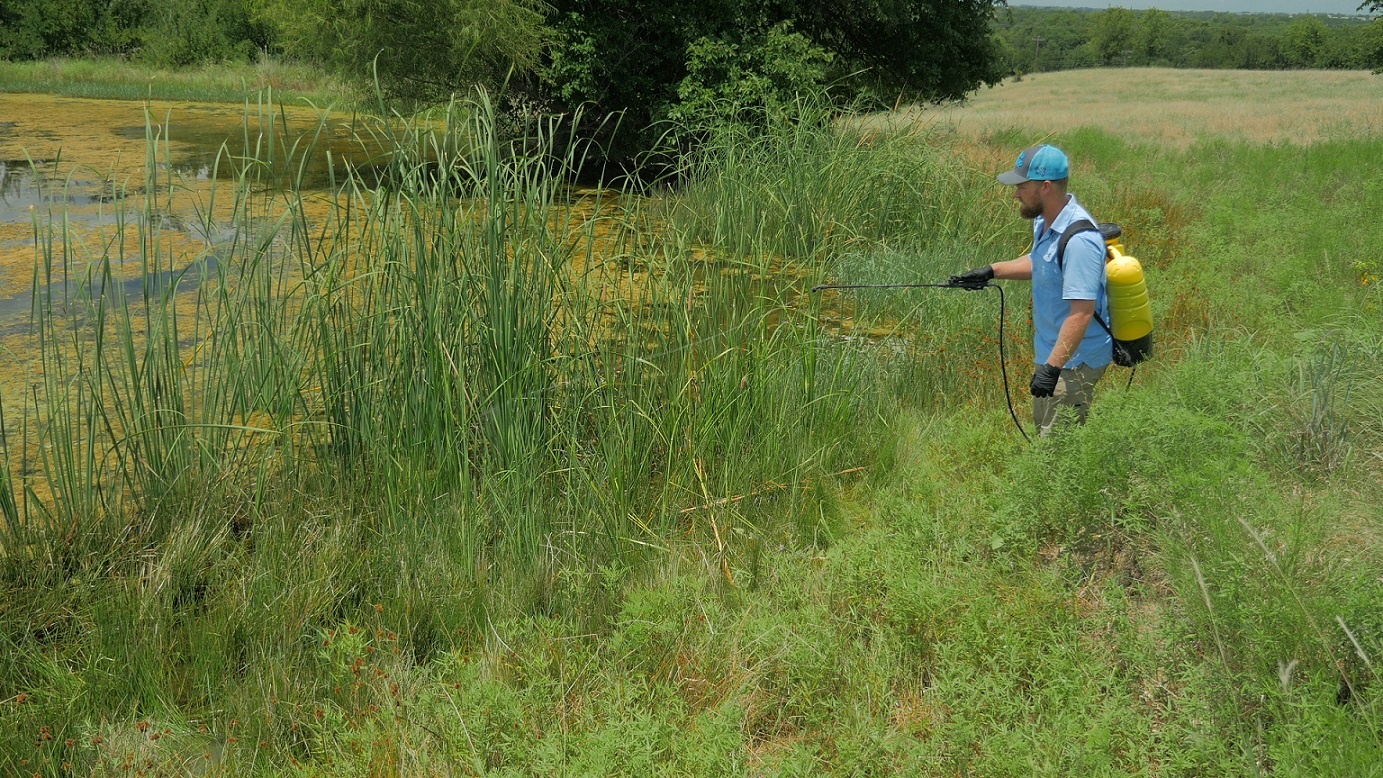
(1130, 312)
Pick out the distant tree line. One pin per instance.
(1036, 39)
(677, 65)
(163, 32)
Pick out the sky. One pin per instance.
(1245, 6)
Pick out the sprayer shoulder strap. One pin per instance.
(1072, 230)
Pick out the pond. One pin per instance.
(77, 162)
(109, 206)
(83, 179)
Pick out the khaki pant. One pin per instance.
(1074, 390)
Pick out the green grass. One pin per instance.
(405, 495)
(119, 79)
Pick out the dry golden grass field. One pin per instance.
(1177, 107)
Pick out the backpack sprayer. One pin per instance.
(1130, 313)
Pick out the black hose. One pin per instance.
(1003, 307)
(1003, 363)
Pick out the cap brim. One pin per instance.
(1011, 178)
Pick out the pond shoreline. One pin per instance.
(113, 78)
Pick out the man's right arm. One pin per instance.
(1019, 269)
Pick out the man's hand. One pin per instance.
(1044, 381)
(973, 279)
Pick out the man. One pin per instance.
(1070, 348)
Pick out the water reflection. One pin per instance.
(209, 144)
(69, 297)
(25, 185)
(73, 171)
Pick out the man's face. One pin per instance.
(1029, 197)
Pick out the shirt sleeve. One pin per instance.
(1084, 267)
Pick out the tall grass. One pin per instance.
(469, 391)
(811, 195)
(473, 472)
(430, 339)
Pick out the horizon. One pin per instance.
(1335, 7)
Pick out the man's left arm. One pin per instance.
(1068, 339)
(1072, 332)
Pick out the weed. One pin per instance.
(1319, 437)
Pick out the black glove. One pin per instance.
(973, 279)
(1044, 381)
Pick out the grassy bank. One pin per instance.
(520, 482)
(118, 79)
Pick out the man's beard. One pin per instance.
(1030, 213)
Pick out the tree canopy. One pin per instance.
(165, 32)
(654, 61)
(685, 61)
(420, 50)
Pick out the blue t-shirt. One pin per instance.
(1083, 279)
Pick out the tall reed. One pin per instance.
(447, 389)
(537, 367)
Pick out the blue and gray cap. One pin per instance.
(1039, 163)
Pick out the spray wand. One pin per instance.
(968, 287)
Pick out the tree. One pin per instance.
(1375, 46)
(744, 83)
(185, 32)
(1155, 31)
(631, 57)
(1114, 34)
(1304, 41)
(43, 28)
(420, 50)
